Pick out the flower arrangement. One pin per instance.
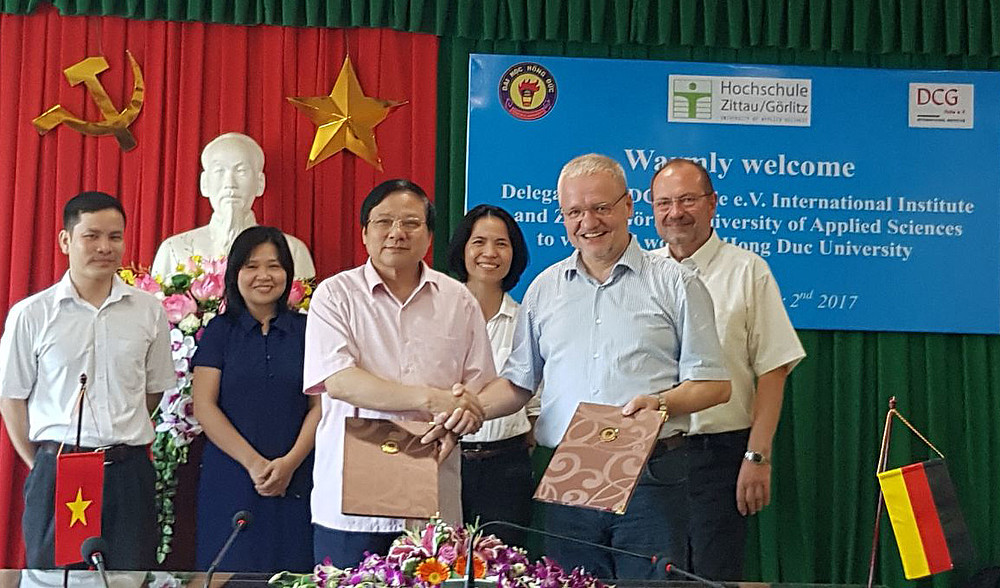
(191, 297)
(428, 557)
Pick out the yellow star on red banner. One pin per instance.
(346, 119)
(79, 508)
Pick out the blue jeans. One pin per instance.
(346, 549)
(718, 531)
(655, 523)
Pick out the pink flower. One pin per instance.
(214, 266)
(146, 283)
(297, 293)
(447, 554)
(178, 306)
(208, 286)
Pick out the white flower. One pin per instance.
(177, 417)
(164, 580)
(189, 324)
(207, 317)
(182, 347)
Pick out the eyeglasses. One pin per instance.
(686, 202)
(407, 225)
(602, 210)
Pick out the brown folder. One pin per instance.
(388, 472)
(598, 462)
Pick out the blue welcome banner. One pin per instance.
(872, 194)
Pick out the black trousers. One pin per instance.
(128, 513)
(499, 488)
(718, 532)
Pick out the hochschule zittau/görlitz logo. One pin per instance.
(691, 98)
(527, 91)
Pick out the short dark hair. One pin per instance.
(706, 179)
(240, 252)
(456, 249)
(383, 190)
(88, 202)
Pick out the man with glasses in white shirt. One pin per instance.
(729, 445)
(389, 339)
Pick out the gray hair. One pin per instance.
(593, 164)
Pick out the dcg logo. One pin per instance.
(937, 96)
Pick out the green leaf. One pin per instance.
(180, 283)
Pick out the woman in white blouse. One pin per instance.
(489, 254)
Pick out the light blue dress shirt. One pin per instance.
(648, 327)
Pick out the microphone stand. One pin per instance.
(653, 559)
(241, 520)
(671, 568)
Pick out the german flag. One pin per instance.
(926, 518)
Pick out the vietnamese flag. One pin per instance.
(926, 519)
(79, 490)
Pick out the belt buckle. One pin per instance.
(103, 449)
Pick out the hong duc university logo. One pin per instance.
(527, 91)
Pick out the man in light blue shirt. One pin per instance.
(613, 324)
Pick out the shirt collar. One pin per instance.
(507, 307)
(247, 322)
(631, 259)
(66, 291)
(701, 258)
(373, 279)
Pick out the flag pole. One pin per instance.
(79, 412)
(76, 447)
(883, 456)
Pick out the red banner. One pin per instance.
(201, 80)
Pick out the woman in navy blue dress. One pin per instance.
(261, 428)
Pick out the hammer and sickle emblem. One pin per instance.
(114, 123)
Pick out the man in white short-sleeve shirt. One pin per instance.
(89, 323)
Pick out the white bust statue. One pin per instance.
(232, 177)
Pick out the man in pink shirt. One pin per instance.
(389, 339)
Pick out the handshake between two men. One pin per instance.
(464, 412)
(460, 414)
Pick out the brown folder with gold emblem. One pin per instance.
(598, 462)
(388, 472)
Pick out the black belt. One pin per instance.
(484, 449)
(112, 453)
(669, 443)
(736, 439)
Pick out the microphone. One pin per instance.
(93, 550)
(241, 520)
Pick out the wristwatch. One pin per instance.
(757, 458)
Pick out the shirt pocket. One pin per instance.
(128, 360)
